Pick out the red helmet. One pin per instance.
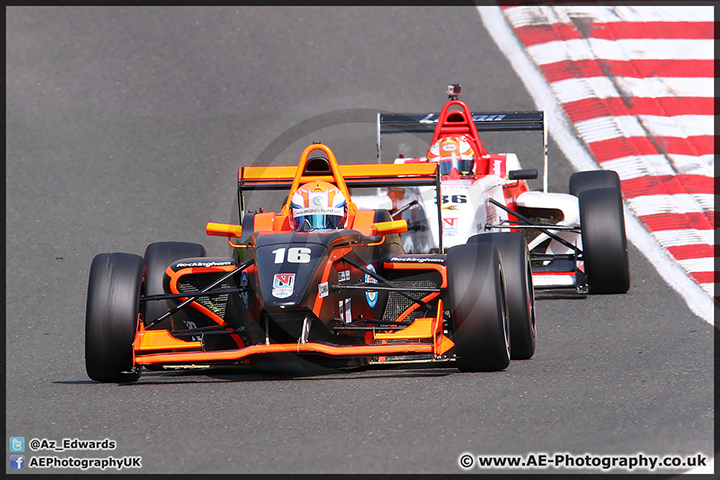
(318, 205)
(453, 151)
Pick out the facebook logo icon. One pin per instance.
(17, 462)
(17, 444)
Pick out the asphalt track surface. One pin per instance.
(126, 126)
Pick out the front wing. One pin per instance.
(424, 337)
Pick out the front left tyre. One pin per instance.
(112, 316)
(478, 306)
(515, 260)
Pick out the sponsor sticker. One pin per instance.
(450, 226)
(283, 285)
(344, 276)
(434, 117)
(323, 290)
(205, 264)
(497, 168)
(371, 296)
(244, 282)
(319, 210)
(344, 310)
(348, 312)
(417, 259)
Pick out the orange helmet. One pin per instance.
(318, 205)
(453, 151)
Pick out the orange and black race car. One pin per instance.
(319, 284)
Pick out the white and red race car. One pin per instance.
(575, 240)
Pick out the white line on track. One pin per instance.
(495, 23)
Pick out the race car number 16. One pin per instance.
(294, 255)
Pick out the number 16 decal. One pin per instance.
(294, 255)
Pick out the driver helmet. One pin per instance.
(318, 205)
(453, 151)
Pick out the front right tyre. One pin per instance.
(112, 316)
(605, 250)
(588, 180)
(157, 258)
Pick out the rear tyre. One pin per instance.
(519, 289)
(581, 181)
(479, 307)
(111, 318)
(605, 251)
(157, 258)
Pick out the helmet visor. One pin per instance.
(320, 221)
(464, 167)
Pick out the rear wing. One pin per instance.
(364, 175)
(289, 178)
(391, 123)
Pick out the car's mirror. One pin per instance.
(223, 230)
(386, 228)
(524, 174)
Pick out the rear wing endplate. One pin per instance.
(391, 123)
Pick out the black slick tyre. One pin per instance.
(581, 181)
(112, 314)
(519, 290)
(478, 307)
(157, 258)
(605, 251)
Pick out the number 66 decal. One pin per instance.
(294, 255)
